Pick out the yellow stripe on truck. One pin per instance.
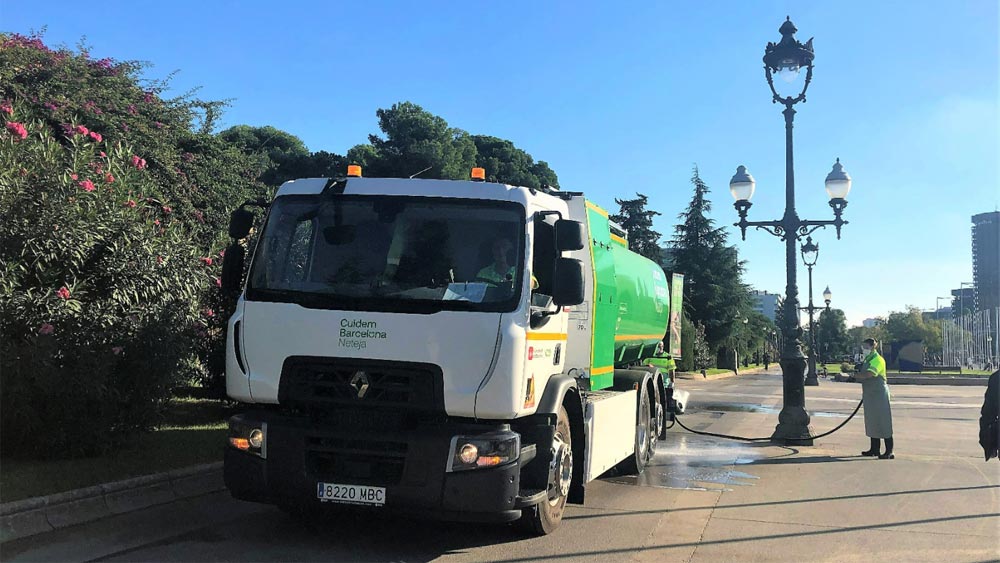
(546, 336)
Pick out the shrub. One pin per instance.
(100, 289)
(191, 175)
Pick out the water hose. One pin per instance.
(768, 439)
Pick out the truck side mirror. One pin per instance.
(240, 223)
(232, 267)
(569, 235)
(567, 282)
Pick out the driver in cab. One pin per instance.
(501, 269)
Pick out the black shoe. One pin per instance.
(871, 453)
(887, 455)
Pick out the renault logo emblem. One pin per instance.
(360, 383)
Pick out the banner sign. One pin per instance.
(676, 302)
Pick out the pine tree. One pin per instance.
(714, 293)
(638, 223)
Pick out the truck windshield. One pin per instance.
(388, 253)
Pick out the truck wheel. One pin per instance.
(645, 436)
(544, 517)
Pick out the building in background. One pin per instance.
(871, 322)
(962, 301)
(767, 304)
(986, 261)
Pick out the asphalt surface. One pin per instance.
(703, 499)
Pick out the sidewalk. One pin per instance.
(937, 501)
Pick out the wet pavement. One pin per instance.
(696, 463)
(757, 408)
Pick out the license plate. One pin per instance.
(350, 494)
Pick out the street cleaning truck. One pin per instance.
(463, 350)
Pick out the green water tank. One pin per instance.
(643, 300)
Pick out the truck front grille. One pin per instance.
(355, 460)
(319, 382)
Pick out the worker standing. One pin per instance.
(875, 394)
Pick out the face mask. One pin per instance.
(866, 350)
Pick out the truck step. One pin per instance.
(530, 497)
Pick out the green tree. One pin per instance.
(416, 141)
(507, 164)
(638, 223)
(911, 325)
(714, 293)
(286, 155)
(831, 334)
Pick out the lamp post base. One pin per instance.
(811, 381)
(793, 427)
(793, 420)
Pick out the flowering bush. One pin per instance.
(109, 198)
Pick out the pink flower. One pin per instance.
(222, 253)
(139, 163)
(156, 222)
(51, 106)
(167, 209)
(199, 216)
(17, 129)
(63, 292)
(130, 203)
(96, 136)
(74, 176)
(81, 130)
(208, 313)
(159, 125)
(132, 110)
(159, 259)
(218, 282)
(102, 155)
(148, 98)
(207, 261)
(87, 186)
(6, 108)
(109, 178)
(117, 350)
(46, 328)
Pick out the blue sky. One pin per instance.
(627, 97)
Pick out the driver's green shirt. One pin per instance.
(490, 273)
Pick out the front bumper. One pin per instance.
(410, 464)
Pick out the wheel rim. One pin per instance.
(642, 438)
(561, 468)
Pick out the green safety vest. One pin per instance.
(663, 362)
(490, 273)
(874, 363)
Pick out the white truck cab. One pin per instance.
(427, 346)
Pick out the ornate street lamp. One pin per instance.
(787, 58)
(810, 254)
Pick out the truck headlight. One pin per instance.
(484, 450)
(248, 435)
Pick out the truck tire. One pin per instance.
(645, 435)
(544, 517)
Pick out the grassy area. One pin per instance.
(195, 432)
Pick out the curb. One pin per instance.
(37, 515)
(696, 376)
(937, 380)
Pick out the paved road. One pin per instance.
(704, 499)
